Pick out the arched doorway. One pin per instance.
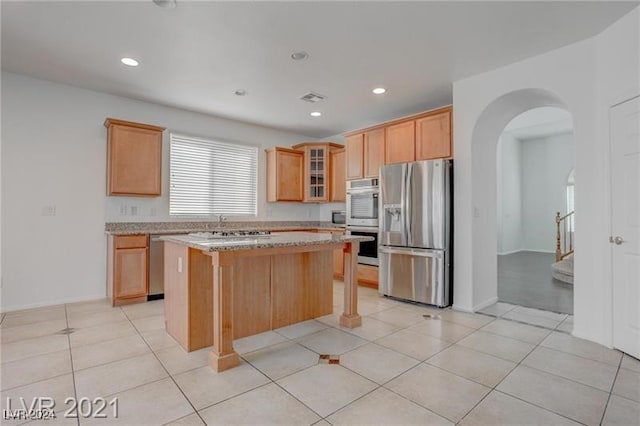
(535, 154)
(475, 225)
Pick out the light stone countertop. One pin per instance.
(285, 239)
(167, 228)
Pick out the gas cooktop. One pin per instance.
(230, 234)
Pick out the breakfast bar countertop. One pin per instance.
(209, 242)
(166, 228)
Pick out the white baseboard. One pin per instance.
(509, 252)
(460, 309)
(476, 308)
(485, 304)
(525, 249)
(539, 251)
(4, 310)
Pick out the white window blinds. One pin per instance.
(212, 178)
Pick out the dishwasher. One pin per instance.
(156, 268)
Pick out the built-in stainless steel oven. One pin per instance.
(368, 253)
(362, 203)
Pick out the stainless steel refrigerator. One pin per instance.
(415, 231)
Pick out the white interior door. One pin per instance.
(625, 209)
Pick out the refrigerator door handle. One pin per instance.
(411, 252)
(406, 202)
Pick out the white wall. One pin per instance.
(532, 178)
(586, 78)
(54, 154)
(618, 79)
(509, 206)
(546, 164)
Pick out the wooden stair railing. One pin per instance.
(564, 235)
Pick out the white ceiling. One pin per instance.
(196, 55)
(540, 123)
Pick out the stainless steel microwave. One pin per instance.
(362, 202)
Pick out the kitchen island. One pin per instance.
(218, 289)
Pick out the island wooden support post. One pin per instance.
(350, 318)
(223, 357)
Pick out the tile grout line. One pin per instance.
(416, 366)
(73, 373)
(495, 389)
(163, 367)
(578, 356)
(613, 383)
(294, 341)
(539, 344)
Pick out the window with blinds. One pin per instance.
(211, 178)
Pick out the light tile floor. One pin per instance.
(398, 368)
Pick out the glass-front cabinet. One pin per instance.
(316, 170)
(317, 162)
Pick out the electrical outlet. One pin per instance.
(134, 210)
(123, 210)
(49, 210)
(476, 212)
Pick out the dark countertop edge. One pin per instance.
(161, 228)
(342, 239)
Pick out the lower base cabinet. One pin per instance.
(271, 291)
(367, 274)
(128, 269)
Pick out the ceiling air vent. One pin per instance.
(313, 97)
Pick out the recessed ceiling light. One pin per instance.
(299, 56)
(240, 92)
(130, 62)
(379, 90)
(316, 114)
(167, 4)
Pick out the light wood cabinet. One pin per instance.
(338, 182)
(423, 136)
(284, 174)
(317, 176)
(128, 269)
(365, 154)
(354, 147)
(368, 275)
(373, 152)
(433, 136)
(316, 172)
(400, 143)
(134, 158)
(338, 255)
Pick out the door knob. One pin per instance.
(616, 240)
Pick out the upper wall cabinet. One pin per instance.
(336, 177)
(285, 174)
(364, 154)
(433, 136)
(354, 147)
(316, 170)
(422, 136)
(373, 152)
(399, 145)
(134, 158)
